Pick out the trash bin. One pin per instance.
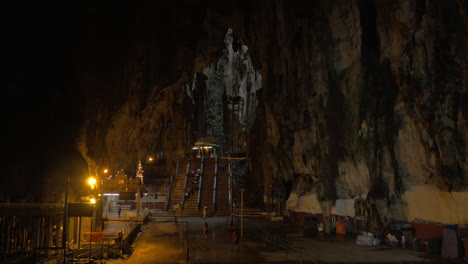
(310, 226)
(341, 228)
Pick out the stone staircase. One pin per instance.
(208, 185)
(177, 189)
(222, 207)
(249, 212)
(191, 204)
(190, 207)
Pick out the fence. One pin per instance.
(183, 235)
(106, 249)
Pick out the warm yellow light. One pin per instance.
(92, 200)
(91, 181)
(150, 158)
(105, 171)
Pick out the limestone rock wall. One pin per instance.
(231, 75)
(360, 99)
(379, 95)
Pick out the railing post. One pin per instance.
(183, 239)
(65, 223)
(168, 194)
(230, 182)
(185, 186)
(200, 183)
(186, 239)
(169, 187)
(214, 183)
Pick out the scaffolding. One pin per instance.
(31, 230)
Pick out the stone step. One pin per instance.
(206, 194)
(179, 214)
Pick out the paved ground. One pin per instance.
(262, 243)
(158, 243)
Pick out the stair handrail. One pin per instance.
(200, 182)
(214, 183)
(169, 187)
(185, 186)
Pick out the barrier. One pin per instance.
(95, 236)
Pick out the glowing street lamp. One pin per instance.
(92, 200)
(105, 171)
(92, 182)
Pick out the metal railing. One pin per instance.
(169, 187)
(214, 184)
(183, 236)
(185, 187)
(200, 183)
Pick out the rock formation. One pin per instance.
(358, 99)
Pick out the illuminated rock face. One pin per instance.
(358, 99)
(231, 75)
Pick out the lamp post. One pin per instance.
(104, 204)
(92, 183)
(65, 223)
(79, 226)
(93, 202)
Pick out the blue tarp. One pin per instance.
(450, 241)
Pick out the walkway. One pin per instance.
(158, 243)
(262, 243)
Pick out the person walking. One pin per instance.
(235, 239)
(120, 210)
(205, 230)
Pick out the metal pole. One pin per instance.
(65, 223)
(102, 248)
(79, 233)
(186, 239)
(125, 217)
(138, 204)
(242, 212)
(90, 231)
